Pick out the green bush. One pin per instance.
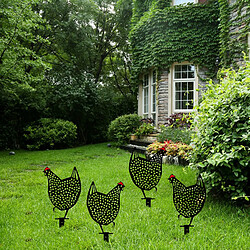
(144, 129)
(175, 134)
(50, 134)
(122, 127)
(221, 140)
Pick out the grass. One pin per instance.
(27, 220)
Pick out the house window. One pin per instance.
(178, 2)
(145, 95)
(153, 91)
(184, 87)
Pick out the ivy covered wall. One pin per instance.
(204, 34)
(234, 31)
(166, 34)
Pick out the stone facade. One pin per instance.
(162, 97)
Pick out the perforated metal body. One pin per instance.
(64, 193)
(145, 173)
(103, 208)
(190, 200)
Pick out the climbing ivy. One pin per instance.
(234, 29)
(164, 35)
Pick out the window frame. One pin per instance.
(193, 1)
(145, 89)
(153, 94)
(183, 80)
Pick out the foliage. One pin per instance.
(178, 120)
(144, 129)
(20, 56)
(122, 127)
(175, 134)
(179, 149)
(221, 140)
(50, 134)
(176, 34)
(55, 61)
(233, 41)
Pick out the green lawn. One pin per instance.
(28, 221)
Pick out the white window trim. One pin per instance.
(153, 84)
(150, 114)
(143, 95)
(194, 1)
(171, 96)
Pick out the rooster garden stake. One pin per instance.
(64, 193)
(146, 173)
(188, 201)
(104, 208)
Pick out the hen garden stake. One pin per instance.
(104, 208)
(146, 173)
(64, 193)
(188, 201)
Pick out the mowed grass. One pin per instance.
(27, 220)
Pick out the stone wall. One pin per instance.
(162, 99)
(237, 32)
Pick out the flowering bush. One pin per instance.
(171, 149)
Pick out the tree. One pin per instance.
(22, 67)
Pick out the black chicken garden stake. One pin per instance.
(146, 173)
(188, 201)
(63, 193)
(104, 208)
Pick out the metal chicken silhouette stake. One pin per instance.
(188, 201)
(146, 173)
(64, 193)
(104, 208)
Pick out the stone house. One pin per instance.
(179, 86)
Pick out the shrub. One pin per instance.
(179, 120)
(50, 134)
(221, 141)
(144, 129)
(122, 127)
(175, 134)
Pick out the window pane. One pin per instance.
(190, 86)
(154, 76)
(177, 2)
(184, 67)
(177, 105)
(190, 74)
(178, 86)
(185, 105)
(184, 86)
(153, 98)
(177, 75)
(177, 96)
(190, 95)
(177, 68)
(184, 75)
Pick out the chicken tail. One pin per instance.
(92, 189)
(75, 174)
(200, 182)
(132, 157)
